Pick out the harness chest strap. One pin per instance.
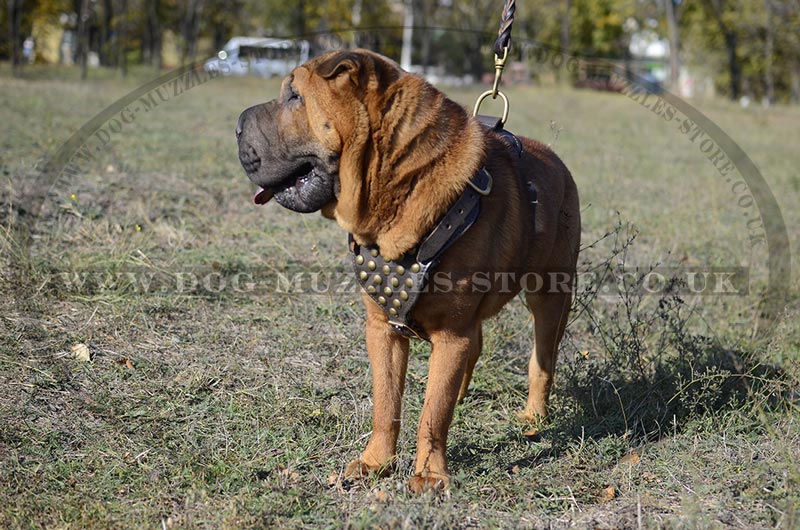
(396, 285)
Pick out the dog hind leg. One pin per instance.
(550, 313)
(475, 351)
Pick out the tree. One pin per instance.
(786, 18)
(721, 11)
(104, 46)
(565, 26)
(673, 10)
(190, 29)
(153, 34)
(16, 9)
(598, 27)
(469, 51)
(83, 10)
(122, 39)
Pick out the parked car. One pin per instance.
(259, 56)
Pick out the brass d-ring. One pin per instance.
(486, 95)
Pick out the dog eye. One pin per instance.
(293, 95)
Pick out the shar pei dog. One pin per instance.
(449, 219)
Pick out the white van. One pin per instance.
(259, 56)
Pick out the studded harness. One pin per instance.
(396, 285)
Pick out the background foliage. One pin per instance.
(748, 47)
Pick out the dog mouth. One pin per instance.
(306, 189)
(296, 179)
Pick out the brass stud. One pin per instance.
(377, 279)
(382, 300)
(360, 260)
(409, 282)
(393, 311)
(395, 282)
(387, 291)
(404, 295)
(374, 252)
(415, 268)
(400, 270)
(363, 275)
(397, 303)
(386, 269)
(371, 289)
(371, 265)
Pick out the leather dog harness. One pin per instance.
(396, 285)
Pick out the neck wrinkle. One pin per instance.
(403, 194)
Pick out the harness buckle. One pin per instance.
(487, 189)
(409, 331)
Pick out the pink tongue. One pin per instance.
(262, 196)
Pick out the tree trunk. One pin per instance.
(426, 49)
(795, 82)
(191, 30)
(769, 46)
(408, 33)
(106, 55)
(731, 43)
(152, 34)
(299, 22)
(565, 25)
(564, 36)
(355, 20)
(428, 14)
(83, 37)
(734, 69)
(674, 44)
(122, 39)
(14, 23)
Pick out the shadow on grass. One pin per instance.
(613, 405)
(634, 370)
(599, 399)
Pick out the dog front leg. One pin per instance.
(388, 357)
(448, 363)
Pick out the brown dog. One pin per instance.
(386, 154)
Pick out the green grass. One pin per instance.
(240, 409)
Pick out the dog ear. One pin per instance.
(340, 63)
(360, 65)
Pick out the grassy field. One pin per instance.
(201, 405)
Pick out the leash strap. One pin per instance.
(504, 33)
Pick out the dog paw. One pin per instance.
(357, 470)
(531, 417)
(429, 482)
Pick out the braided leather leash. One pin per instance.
(501, 47)
(503, 41)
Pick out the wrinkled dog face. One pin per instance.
(291, 146)
(280, 153)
